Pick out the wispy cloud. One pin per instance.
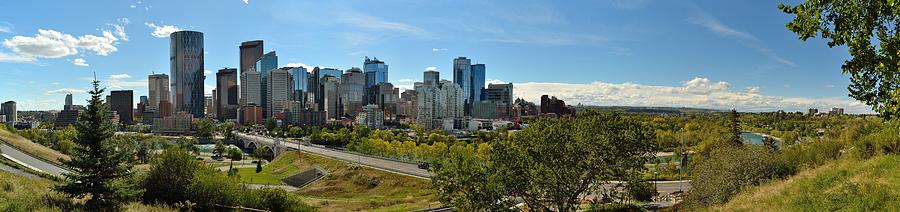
(363, 21)
(712, 24)
(307, 67)
(64, 91)
(6, 27)
(438, 49)
(246, 1)
(696, 92)
(119, 76)
(15, 58)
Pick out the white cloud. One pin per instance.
(64, 91)
(119, 76)
(246, 1)
(714, 25)
(15, 58)
(431, 68)
(54, 83)
(79, 62)
(119, 84)
(162, 31)
(207, 72)
(307, 67)
(697, 92)
(53, 44)
(406, 80)
(133, 6)
(438, 49)
(494, 81)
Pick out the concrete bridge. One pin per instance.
(273, 147)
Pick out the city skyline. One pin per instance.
(715, 60)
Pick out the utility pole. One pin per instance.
(681, 164)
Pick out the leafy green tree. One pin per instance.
(227, 130)
(271, 124)
(99, 168)
(205, 128)
(467, 183)
(170, 176)
(235, 154)
(220, 149)
(554, 161)
(870, 30)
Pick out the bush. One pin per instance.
(177, 179)
(810, 154)
(729, 170)
(641, 190)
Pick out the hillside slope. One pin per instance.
(846, 185)
(28, 146)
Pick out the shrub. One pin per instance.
(727, 171)
(641, 190)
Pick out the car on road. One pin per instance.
(424, 166)
(651, 206)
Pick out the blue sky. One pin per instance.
(711, 54)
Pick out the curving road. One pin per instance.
(405, 168)
(30, 161)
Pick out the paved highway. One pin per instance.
(374, 162)
(32, 162)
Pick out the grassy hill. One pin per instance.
(23, 194)
(346, 188)
(845, 185)
(31, 147)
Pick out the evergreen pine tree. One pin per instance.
(99, 168)
(735, 128)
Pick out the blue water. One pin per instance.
(750, 138)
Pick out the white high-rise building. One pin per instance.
(278, 91)
(452, 100)
(250, 88)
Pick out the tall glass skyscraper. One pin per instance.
(336, 73)
(186, 59)
(299, 81)
(226, 100)
(265, 64)
(475, 94)
(462, 76)
(376, 72)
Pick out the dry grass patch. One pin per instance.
(31, 147)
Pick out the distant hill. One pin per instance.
(651, 110)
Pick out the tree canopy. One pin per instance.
(871, 31)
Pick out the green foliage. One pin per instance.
(235, 154)
(219, 149)
(205, 128)
(641, 190)
(870, 30)
(468, 183)
(176, 178)
(99, 166)
(728, 170)
(170, 176)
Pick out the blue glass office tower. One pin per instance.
(477, 83)
(299, 81)
(462, 76)
(376, 72)
(265, 64)
(186, 60)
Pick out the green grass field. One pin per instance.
(346, 189)
(843, 185)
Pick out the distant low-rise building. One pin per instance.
(66, 118)
(552, 105)
(812, 111)
(180, 122)
(836, 111)
(371, 116)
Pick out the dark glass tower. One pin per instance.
(186, 58)
(227, 99)
(476, 93)
(251, 51)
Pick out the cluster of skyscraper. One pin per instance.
(260, 89)
(442, 104)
